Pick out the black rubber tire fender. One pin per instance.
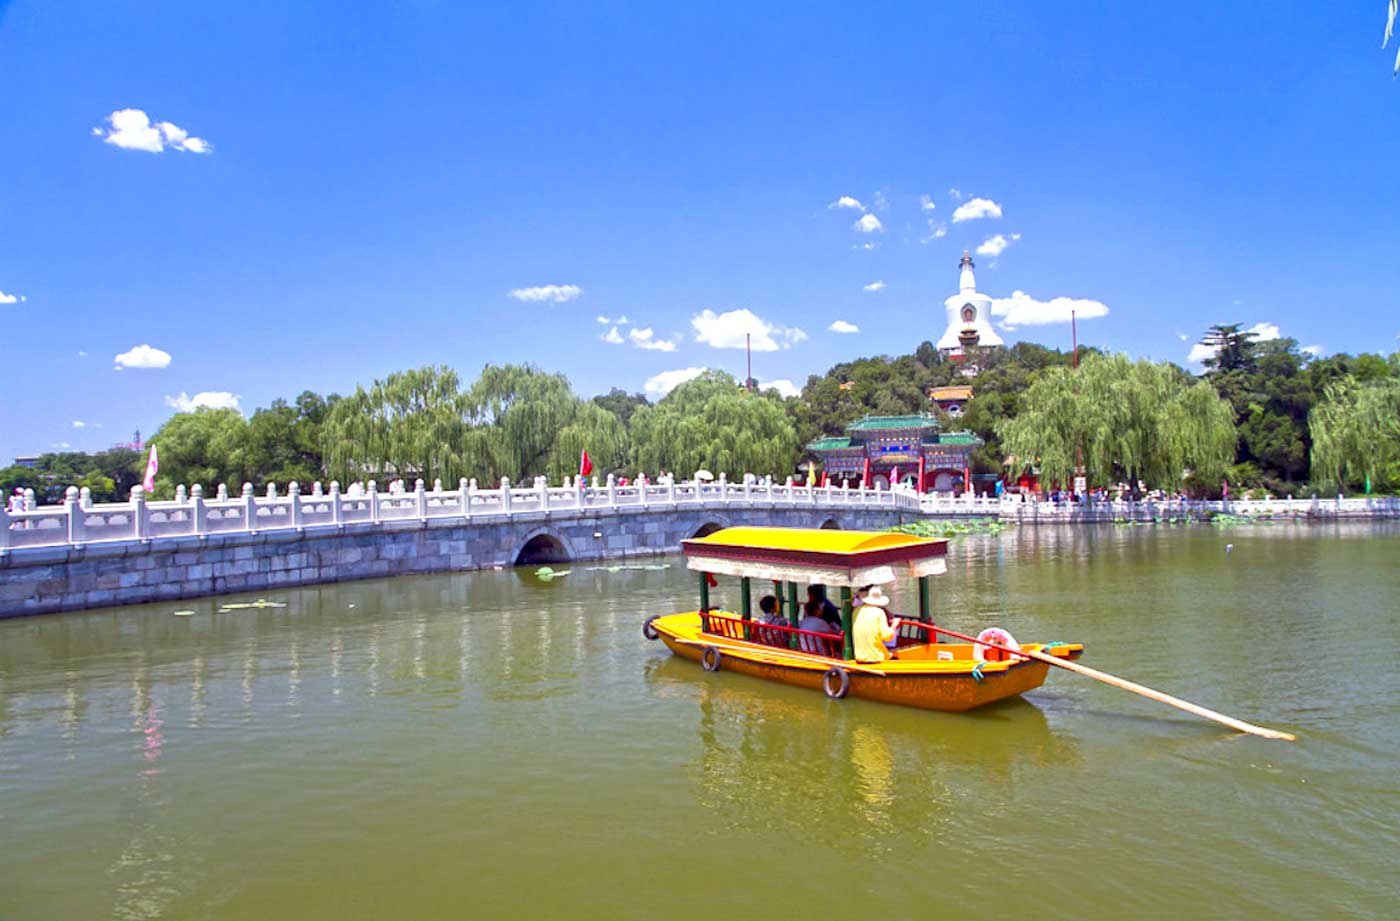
(649, 629)
(711, 659)
(842, 679)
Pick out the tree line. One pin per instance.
(1264, 415)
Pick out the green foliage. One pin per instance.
(412, 423)
(1235, 349)
(710, 423)
(621, 403)
(285, 441)
(1132, 420)
(1356, 432)
(207, 446)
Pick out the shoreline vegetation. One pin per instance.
(1264, 417)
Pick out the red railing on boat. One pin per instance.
(776, 635)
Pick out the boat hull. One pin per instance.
(947, 692)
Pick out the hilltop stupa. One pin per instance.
(969, 316)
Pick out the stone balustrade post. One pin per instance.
(505, 495)
(222, 493)
(372, 491)
(180, 495)
(4, 526)
(671, 489)
(200, 516)
(337, 511)
(464, 496)
(612, 492)
(420, 497)
(316, 490)
(437, 485)
(250, 509)
(724, 487)
(74, 507)
(294, 494)
(138, 512)
(30, 503)
(542, 484)
(85, 497)
(272, 490)
(748, 489)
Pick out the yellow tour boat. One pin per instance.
(921, 672)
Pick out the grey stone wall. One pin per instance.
(46, 579)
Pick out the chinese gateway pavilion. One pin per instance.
(911, 450)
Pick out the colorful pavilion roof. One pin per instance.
(950, 393)
(880, 423)
(959, 438)
(829, 444)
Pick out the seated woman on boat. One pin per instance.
(871, 629)
(813, 622)
(816, 594)
(771, 615)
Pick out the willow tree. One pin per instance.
(712, 423)
(528, 423)
(1135, 420)
(1355, 431)
(411, 423)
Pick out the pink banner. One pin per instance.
(152, 465)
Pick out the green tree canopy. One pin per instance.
(1356, 431)
(710, 423)
(1134, 420)
(207, 446)
(411, 423)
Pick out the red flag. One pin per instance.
(920, 485)
(826, 480)
(585, 464)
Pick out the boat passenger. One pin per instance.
(872, 629)
(771, 615)
(829, 611)
(813, 622)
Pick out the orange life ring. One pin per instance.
(984, 653)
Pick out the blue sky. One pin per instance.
(379, 178)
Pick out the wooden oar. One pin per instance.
(776, 656)
(1126, 685)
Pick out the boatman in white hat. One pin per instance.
(871, 629)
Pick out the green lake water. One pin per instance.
(488, 745)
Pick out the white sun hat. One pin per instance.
(876, 598)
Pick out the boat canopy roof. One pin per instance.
(829, 557)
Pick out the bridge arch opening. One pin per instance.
(542, 548)
(706, 529)
(831, 524)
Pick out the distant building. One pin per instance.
(27, 460)
(969, 319)
(952, 400)
(897, 443)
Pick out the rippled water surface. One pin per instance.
(488, 745)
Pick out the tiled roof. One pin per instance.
(829, 444)
(878, 423)
(959, 438)
(950, 393)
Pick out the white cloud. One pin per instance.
(846, 201)
(11, 298)
(976, 208)
(727, 331)
(995, 246)
(1020, 309)
(841, 326)
(881, 202)
(612, 336)
(785, 387)
(658, 385)
(926, 203)
(1182, 336)
(1199, 353)
(60, 445)
(955, 195)
(143, 356)
(868, 223)
(555, 294)
(615, 321)
(1264, 331)
(207, 399)
(1313, 350)
(82, 354)
(132, 130)
(936, 231)
(873, 244)
(876, 286)
(643, 339)
(78, 424)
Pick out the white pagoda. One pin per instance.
(969, 316)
